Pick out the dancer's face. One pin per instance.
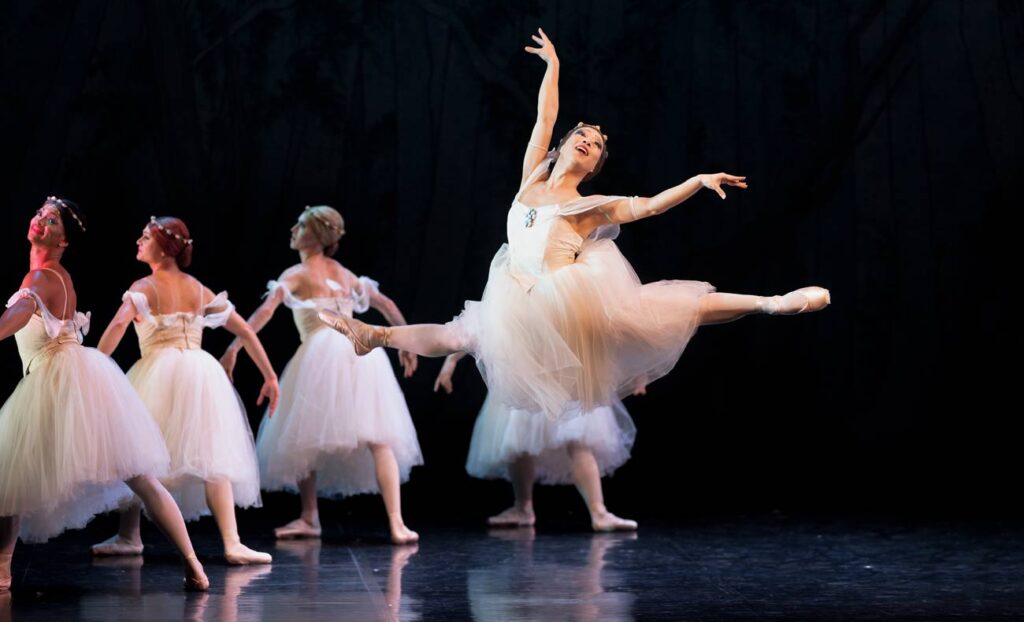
(46, 228)
(302, 234)
(149, 250)
(584, 147)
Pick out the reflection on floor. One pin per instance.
(763, 569)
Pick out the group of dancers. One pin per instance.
(564, 329)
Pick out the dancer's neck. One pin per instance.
(40, 257)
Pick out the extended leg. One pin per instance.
(422, 339)
(718, 308)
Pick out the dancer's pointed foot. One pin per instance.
(513, 517)
(298, 528)
(364, 337)
(606, 521)
(803, 300)
(195, 577)
(238, 554)
(117, 545)
(5, 572)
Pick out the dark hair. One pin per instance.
(71, 216)
(604, 148)
(173, 237)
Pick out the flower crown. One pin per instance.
(323, 221)
(166, 231)
(60, 203)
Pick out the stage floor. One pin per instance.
(764, 568)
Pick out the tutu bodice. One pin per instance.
(182, 330)
(346, 301)
(45, 333)
(73, 429)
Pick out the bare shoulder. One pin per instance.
(341, 274)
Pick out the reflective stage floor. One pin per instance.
(762, 568)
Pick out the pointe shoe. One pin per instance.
(199, 582)
(5, 573)
(364, 337)
(238, 554)
(803, 300)
(513, 517)
(117, 545)
(298, 528)
(606, 521)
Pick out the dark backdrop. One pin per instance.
(882, 141)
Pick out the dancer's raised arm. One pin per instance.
(547, 105)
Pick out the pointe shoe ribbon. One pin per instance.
(364, 337)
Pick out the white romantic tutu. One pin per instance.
(332, 404)
(564, 320)
(501, 435)
(587, 332)
(71, 433)
(196, 407)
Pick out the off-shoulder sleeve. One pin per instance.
(141, 304)
(217, 311)
(362, 292)
(50, 323)
(290, 301)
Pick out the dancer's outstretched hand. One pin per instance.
(271, 392)
(546, 50)
(409, 362)
(444, 377)
(228, 362)
(714, 181)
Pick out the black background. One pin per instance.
(883, 143)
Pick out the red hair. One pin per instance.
(173, 237)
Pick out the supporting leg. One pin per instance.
(221, 500)
(128, 540)
(588, 481)
(308, 524)
(389, 480)
(521, 471)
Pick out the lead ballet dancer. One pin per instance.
(564, 326)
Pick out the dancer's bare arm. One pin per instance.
(258, 320)
(547, 105)
(389, 310)
(126, 313)
(45, 285)
(444, 377)
(245, 334)
(635, 208)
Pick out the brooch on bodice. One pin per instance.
(531, 216)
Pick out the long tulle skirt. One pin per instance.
(333, 404)
(204, 424)
(73, 430)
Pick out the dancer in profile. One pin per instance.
(74, 432)
(343, 427)
(564, 325)
(213, 458)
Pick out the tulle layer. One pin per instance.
(501, 435)
(333, 404)
(204, 424)
(585, 333)
(70, 434)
